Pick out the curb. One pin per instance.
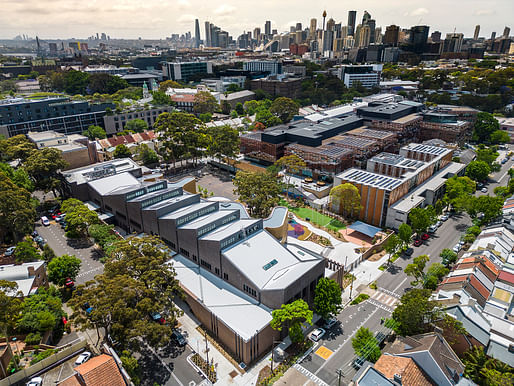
(198, 369)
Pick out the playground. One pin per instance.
(297, 231)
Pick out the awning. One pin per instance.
(368, 230)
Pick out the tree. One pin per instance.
(137, 282)
(17, 147)
(63, 267)
(131, 365)
(94, 132)
(147, 155)
(48, 253)
(458, 191)
(490, 207)
(137, 125)
(70, 204)
(327, 298)
(448, 257)
(489, 156)
(122, 151)
(260, 191)
(393, 245)
(78, 221)
(161, 99)
(17, 214)
(223, 142)
(414, 312)
(164, 86)
(420, 220)
(485, 125)
(284, 108)
(204, 102)
(103, 236)
(500, 136)
(10, 307)
(43, 167)
(22, 179)
(435, 274)
(239, 109)
(365, 345)
(346, 199)
(105, 83)
(175, 131)
(41, 311)
(76, 82)
(25, 252)
(417, 269)
(292, 164)
(225, 107)
(292, 316)
(205, 117)
(264, 116)
(478, 170)
(405, 234)
(484, 370)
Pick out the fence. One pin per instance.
(44, 364)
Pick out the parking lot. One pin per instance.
(218, 182)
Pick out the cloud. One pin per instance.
(417, 12)
(186, 19)
(483, 12)
(224, 9)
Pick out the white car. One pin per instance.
(36, 381)
(45, 221)
(83, 358)
(9, 251)
(317, 334)
(483, 190)
(457, 248)
(444, 217)
(432, 228)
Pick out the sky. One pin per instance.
(154, 19)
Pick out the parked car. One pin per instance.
(444, 217)
(69, 283)
(480, 185)
(9, 251)
(504, 160)
(330, 323)
(483, 190)
(34, 234)
(409, 252)
(425, 236)
(457, 248)
(179, 338)
(36, 381)
(45, 221)
(83, 358)
(417, 242)
(432, 228)
(156, 317)
(462, 242)
(38, 239)
(438, 224)
(317, 334)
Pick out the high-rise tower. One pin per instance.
(267, 28)
(477, 32)
(352, 16)
(324, 16)
(197, 33)
(312, 29)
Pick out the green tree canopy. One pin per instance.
(291, 316)
(327, 298)
(365, 345)
(137, 125)
(105, 83)
(490, 207)
(43, 167)
(458, 191)
(41, 311)
(293, 166)
(259, 191)
(147, 155)
(240, 109)
(414, 312)
(420, 220)
(485, 125)
(204, 102)
(346, 199)
(284, 108)
(435, 273)
(478, 170)
(17, 147)
(63, 267)
(264, 116)
(405, 234)
(94, 132)
(161, 99)
(122, 151)
(223, 141)
(484, 370)
(25, 252)
(500, 136)
(448, 257)
(164, 86)
(10, 306)
(417, 269)
(393, 246)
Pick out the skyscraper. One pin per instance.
(493, 35)
(371, 23)
(436, 37)
(267, 28)
(208, 41)
(324, 16)
(453, 42)
(257, 34)
(197, 33)
(392, 35)
(312, 29)
(298, 26)
(477, 32)
(365, 17)
(418, 38)
(364, 36)
(352, 16)
(506, 32)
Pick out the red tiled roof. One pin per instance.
(482, 290)
(183, 98)
(454, 279)
(100, 371)
(506, 276)
(411, 374)
(144, 136)
(151, 134)
(128, 138)
(115, 141)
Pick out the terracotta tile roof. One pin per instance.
(137, 137)
(151, 134)
(144, 136)
(411, 374)
(183, 98)
(464, 266)
(115, 141)
(70, 381)
(104, 143)
(506, 277)
(129, 139)
(482, 290)
(100, 371)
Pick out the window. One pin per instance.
(270, 264)
(249, 290)
(205, 264)
(184, 252)
(108, 208)
(217, 270)
(225, 276)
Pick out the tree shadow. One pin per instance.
(152, 370)
(79, 243)
(394, 269)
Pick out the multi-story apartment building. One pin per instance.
(367, 75)
(446, 127)
(272, 67)
(233, 271)
(116, 122)
(19, 116)
(184, 70)
(278, 85)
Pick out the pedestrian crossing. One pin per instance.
(384, 299)
(309, 375)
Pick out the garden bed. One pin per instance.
(360, 299)
(208, 369)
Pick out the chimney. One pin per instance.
(31, 271)
(398, 378)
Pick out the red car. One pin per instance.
(417, 242)
(69, 283)
(425, 236)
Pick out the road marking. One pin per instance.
(346, 340)
(310, 375)
(324, 352)
(403, 281)
(90, 271)
(380, 305)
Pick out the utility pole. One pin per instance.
(207, 354)
(339, 375)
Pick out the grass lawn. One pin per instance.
(315, 217)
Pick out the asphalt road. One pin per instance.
(336, 349)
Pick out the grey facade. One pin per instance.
(116, 122)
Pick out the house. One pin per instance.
(98, 371)
(28, 276)
(403, 370)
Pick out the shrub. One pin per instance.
(360, 299)
(33, 338)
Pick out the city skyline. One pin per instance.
(58, 19)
